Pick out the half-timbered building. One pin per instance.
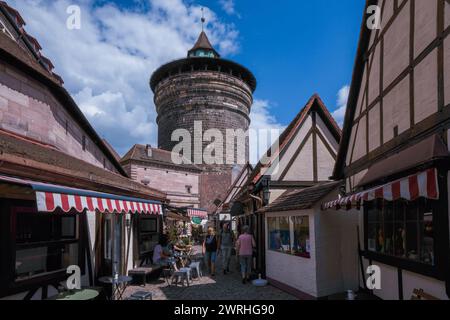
(303, 156)
(394, 154)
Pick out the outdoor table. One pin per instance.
(118, 285)
(81, 294)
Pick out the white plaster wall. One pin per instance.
(325, 162)
(361, 106)
(301, 169)
(360, 149)
(347, 222)
(327, 134)
(168, 179)
(431, 286)
(425, 87)
(387, 12)
(275, 193)
(329, 273)
(355, 179)
(389, 282)
(396, 110)
(336, 249)
(447, 14)
(374, 127)
(425, 24)
(396, 46)
(287, 156)
(348, 160)
(374, 76)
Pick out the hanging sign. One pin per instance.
(196, 220)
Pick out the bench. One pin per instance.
(143, 272)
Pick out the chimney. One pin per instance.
(148, 150)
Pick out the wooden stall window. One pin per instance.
(44, 243)
(401, 229)
(148, 235)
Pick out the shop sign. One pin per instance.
(196, 220)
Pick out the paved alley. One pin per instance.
(226, 287)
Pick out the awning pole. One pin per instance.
(129, 239)
(361, 264)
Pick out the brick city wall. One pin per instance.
(28, 108)
(172, 181)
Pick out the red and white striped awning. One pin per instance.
(50, 201)
(192, 212)
(423, 184)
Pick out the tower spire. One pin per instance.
(203, 48)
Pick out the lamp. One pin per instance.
(145, 181)
(266, 191)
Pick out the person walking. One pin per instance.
(209, 250)
(244, 249)
(226, 242)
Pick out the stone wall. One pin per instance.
(173, 182)
(28, 108)
(220, 101)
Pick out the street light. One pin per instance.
(146, 180)
(266, 191)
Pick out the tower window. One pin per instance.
(188, 188)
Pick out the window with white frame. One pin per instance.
(289, 234)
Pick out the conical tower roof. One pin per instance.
(203, 48)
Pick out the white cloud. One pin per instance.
(339, 113)
(228, 6)
(266, 127)
(106, 65)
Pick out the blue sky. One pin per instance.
(295, 48)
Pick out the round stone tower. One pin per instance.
(206, 92)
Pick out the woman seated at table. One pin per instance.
(162, 254)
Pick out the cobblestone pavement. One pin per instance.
(220, 287)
